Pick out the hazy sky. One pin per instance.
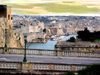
(38, 1)
(52, 7)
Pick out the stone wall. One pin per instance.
(78, 46)
(11, 38)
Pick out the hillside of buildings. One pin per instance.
(62, 24)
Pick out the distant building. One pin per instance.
(34, 31)
(36, 28)
(30, 29)
(82, 46)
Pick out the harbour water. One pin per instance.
(50, 44)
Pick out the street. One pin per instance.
(49, 59)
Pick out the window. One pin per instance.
(8, 17)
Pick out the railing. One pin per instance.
(37, 66)
(58, 67)
(10, 65)
(32, 51)
(52, 52)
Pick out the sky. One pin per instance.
(54, 7)
(41, 1)
(32, 1)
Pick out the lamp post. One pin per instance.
(25, 41)
(5, 40)
(5, 46)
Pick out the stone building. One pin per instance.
(6, 23)
(34, 32)
(31, 29)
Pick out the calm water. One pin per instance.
(50, 44)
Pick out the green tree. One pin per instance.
(90, 70)
(72, 39)
(69, 73)
(96, 40)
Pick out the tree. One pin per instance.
(72, 39)
(69, 73)
(90, 70)
(86, 35)
(44, 30)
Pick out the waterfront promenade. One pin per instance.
(45, 61)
